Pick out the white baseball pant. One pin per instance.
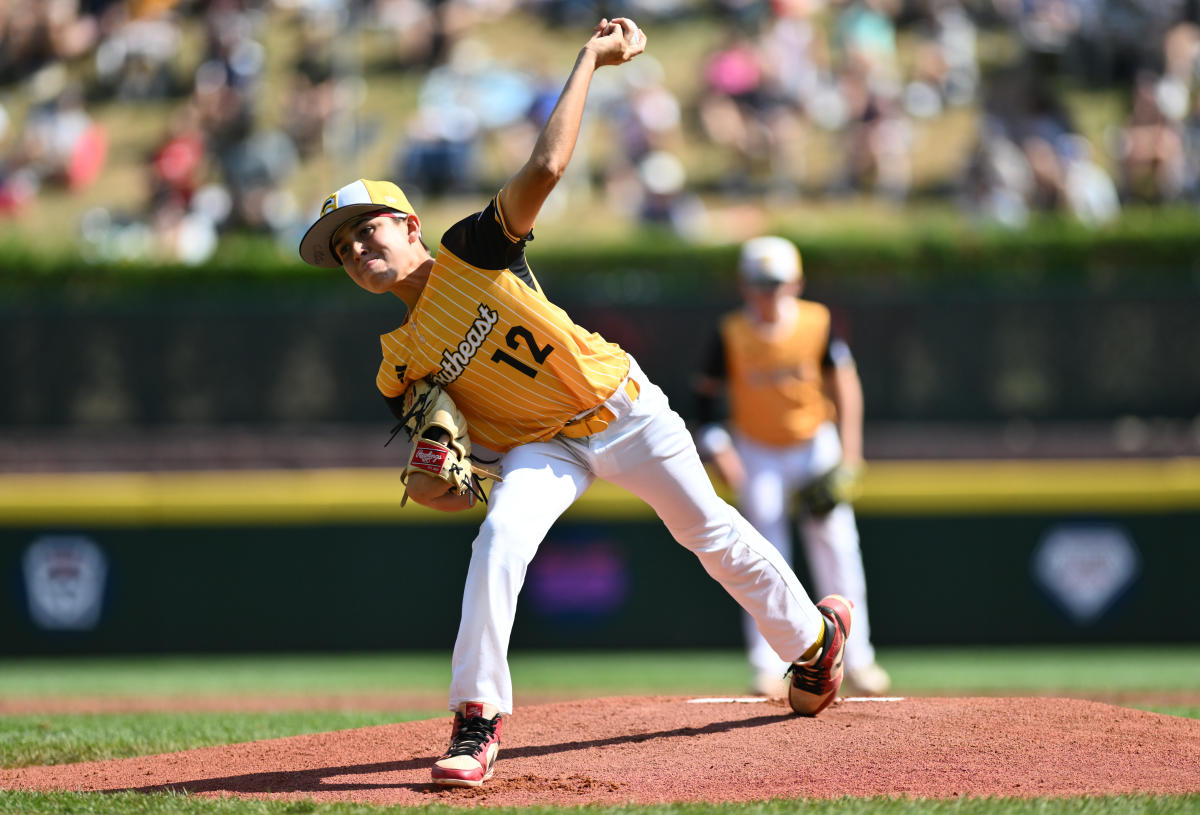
(831, 543)
(647, 450)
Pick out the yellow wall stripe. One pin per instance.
(1117, 485)
(373, 495)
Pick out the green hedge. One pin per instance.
(1147, 247)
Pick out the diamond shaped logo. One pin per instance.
(1085, 568)
(64, 582)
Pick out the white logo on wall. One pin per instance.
(64, 581)
(1085, 568)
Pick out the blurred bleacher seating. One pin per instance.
(256, 106)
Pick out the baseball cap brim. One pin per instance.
(351, 201)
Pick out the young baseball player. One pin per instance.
(796, 409)
(561, 406)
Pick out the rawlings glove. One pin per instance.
(838, 486)
(428, 414)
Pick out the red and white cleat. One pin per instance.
(474, 747)
(815, 683)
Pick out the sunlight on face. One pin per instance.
(370, 250)
(359, 232)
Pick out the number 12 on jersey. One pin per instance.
(514, 338)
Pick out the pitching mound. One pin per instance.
(661, 749)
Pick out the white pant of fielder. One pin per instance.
(647, 450)
(831, 543)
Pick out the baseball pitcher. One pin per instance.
(559, 406)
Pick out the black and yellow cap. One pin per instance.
(356, 198)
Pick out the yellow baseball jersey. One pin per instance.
(516, 365)
(776, 385)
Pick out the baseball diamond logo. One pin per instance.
(1086, 568)
(455, 362)
(65, 578)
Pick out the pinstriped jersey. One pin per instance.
(776, 384)
(515, 364)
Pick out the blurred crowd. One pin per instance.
(782, 73)
(798, 66)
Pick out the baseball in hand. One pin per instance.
(635, 35)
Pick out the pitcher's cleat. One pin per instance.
(815, 683)
(474, 747)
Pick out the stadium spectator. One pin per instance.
(1150, 154)
(795, 61)
(441, 152)
(945, 69)
(877, 140)
(730, 106)
(643, 175)
(1031, 158)
(178, 163)
(315, 96)
(37, 33)
(1089, 191)
(996, 180)
(60, 144)
(135, 53)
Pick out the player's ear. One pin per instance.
(413, 224)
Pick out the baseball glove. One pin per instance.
(838, 486)
(429, 414)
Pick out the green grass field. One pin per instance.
(1160, 679)
(66, 803)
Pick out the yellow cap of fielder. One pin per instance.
(355, 199)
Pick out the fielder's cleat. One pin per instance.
(770, 684)
(474, 747)
(869, 680)
(815, 683)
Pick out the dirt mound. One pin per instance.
(661, 749)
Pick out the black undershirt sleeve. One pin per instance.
(714, 367)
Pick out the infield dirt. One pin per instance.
(662, 749)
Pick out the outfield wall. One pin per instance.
(956, 553)
(984, 354)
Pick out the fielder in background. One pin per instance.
(796, 411)
(560, 405)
